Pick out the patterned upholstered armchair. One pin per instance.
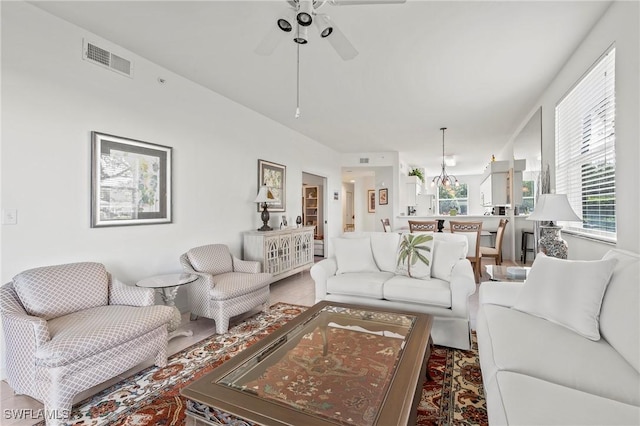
(70, 327)
(226, 286)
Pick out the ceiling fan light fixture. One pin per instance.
(304, 19)
(325, 28)
(303, 35)
(305, 13)
(285, 25)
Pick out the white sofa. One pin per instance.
(537, 371)
(446, 299)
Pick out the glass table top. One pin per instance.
(507, 273)
(337, 365)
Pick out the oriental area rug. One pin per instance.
(455, 396)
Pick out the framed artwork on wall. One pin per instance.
(274, 175)
(130, 182)
(371, 200)
(383, 197)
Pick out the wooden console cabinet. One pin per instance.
(281, 252)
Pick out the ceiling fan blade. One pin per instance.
(270, 42)
(358, 2)
(341, 44)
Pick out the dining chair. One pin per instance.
(496, 251)
(386, 225)
(473, 231)
(423, 225)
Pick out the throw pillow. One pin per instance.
(354, 255)
(445, 255)
(567, 292)
(384, 246)
(414, 255)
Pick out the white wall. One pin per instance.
(52, 100)
(365, 221)
(386, 167)
(473, 192)
(386, 177)
(619, 25)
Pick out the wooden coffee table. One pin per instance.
(333, 364)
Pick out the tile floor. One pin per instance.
(298, 289)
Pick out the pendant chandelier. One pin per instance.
(444, 179)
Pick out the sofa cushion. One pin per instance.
(354, 255)
(522, 400)
(235, 284)
(212, 259)
(510, 340)
(414, 255)
(620, 316)
(82, 334)
(52, 291)
(567, 292)
(433, 292)
(446, 254)
(366, 284)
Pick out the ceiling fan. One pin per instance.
(302, 14)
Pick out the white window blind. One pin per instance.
(585, 150)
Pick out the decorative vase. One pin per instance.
(453, 212)
(551, 242)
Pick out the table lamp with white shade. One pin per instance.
(265, 196)
(551, 208)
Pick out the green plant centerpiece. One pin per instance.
(414, 248)
(417, 173)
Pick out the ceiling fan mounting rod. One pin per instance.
(316, 4)
(297, 115)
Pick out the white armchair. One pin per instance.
(70, 327)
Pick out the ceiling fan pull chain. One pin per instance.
(298, 82)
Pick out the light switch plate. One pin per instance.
(9, 216)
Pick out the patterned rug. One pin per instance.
(152, 397)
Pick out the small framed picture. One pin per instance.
(383, 200)
(371, 201)
(273, 175)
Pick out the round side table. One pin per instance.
(167, 286)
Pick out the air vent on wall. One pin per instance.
(106, 59)
(364, 161)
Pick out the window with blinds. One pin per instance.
(585, 150)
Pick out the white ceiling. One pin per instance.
(475, 67)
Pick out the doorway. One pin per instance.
(314, 210)
(349, 210)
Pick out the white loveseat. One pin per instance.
(539, 371)
(447, 297)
